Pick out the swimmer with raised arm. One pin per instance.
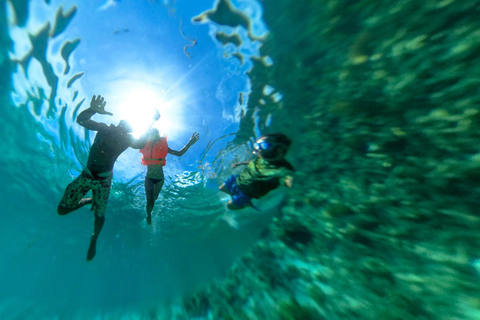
(110, 141)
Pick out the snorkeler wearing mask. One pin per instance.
(261, 175)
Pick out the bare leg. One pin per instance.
(223, 188)
(157, 188)
(152, 191)
(99, 221)
(100, 199)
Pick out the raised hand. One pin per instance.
(156, 116)
(98, 105)
(194, 138)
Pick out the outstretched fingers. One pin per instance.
(99, 103)
(156, 115)
(195, 137)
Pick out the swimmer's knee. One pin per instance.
(61, 210)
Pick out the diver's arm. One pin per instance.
(97, 105)
(140, 142)
(237, 164)
(193, 140)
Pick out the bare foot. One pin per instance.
(92, 249)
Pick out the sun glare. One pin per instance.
(136, 102)
(138, 108)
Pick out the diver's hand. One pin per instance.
(194, 138)
(156, 116)
(98, 105)
(288, 182)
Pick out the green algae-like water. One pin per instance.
(380, 99)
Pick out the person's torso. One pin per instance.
(261, 176)
(155, 171)
(155, 153)
(109, 143)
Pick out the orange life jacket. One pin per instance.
(155, 154)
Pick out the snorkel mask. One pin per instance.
(272, 146)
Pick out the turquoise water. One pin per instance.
(380, 100)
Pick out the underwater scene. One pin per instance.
(372, 211)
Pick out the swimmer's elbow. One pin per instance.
(175, 153)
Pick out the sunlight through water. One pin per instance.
(137, 101)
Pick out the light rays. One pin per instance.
(137, 100)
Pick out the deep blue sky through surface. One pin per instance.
(138, 52)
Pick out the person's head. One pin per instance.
(123, 124)
(154, 134)
(272, 146)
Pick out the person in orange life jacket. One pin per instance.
(154, 154)
(262, 174)
(110, 142)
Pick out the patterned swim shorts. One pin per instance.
(239, 198)
(85, 182)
